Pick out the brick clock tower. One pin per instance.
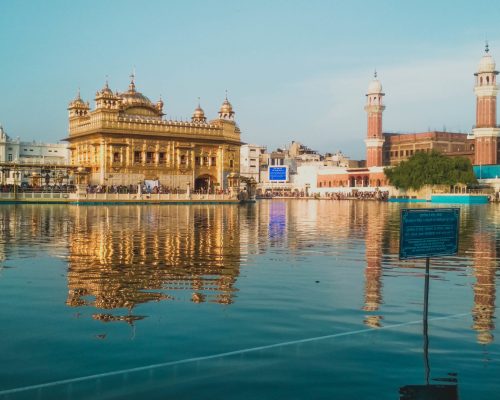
(486, 132)
(374, 138)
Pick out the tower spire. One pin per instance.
(374, 136)
(485, 130)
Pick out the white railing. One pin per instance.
(116, 197)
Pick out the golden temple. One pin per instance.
(125, 139)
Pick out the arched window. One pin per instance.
(487, 80)
(481, 80)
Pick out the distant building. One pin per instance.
(15, 150)
(301, 153)
(383, 149)
(250, 160)
(481, 147)
(23, 162)
(294, 169)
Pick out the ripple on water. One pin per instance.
(100, 288)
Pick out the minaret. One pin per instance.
(374, 136)
(485, 131)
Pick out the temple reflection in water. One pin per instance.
(122, 256)
(114, 262)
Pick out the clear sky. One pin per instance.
(294, 70)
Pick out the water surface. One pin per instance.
(280, 299)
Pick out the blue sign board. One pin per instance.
(277, 174)
(428, 232)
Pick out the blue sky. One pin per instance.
(294, 70)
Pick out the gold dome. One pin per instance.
(135, 103)
(106, 91)
(77, 102)
(226, 107)
(226, 110)
(198, 114)
(133, 98)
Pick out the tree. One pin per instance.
(430, 169)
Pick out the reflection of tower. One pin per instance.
(124, 256)
(486, 132)
(483, 312)
(373, 271)
(374, 136)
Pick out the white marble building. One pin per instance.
(28, 157)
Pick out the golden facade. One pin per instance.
(125, 139)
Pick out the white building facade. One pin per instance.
(20, 160)
(250, 160)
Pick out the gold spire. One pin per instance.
(131, 87)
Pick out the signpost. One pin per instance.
(278, 174)
(425, 233)
(428, 232)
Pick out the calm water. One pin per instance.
(276, 300)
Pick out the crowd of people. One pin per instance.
(133, 189)
(163, 189)
(357, 195)
(24, 188)
(158, 189)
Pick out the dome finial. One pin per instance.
(131, 87)
(486, 47)
(78, 94)
(226, 94)
(375, 73)
(199, 106)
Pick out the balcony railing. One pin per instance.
(481, 126)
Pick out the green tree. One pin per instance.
(430, 169)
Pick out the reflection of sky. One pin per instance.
(277, 220)
(309, 287)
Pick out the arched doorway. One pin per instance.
(205, 183)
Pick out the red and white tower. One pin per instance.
(485, 131)
(374, 137)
